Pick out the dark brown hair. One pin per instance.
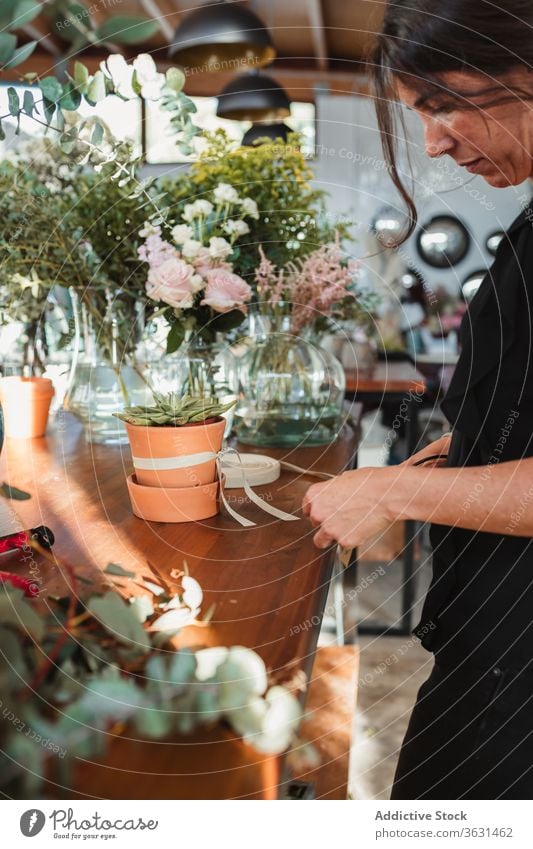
(421, 39)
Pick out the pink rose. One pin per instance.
(225, 291)
(174, 282)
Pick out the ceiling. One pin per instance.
(319, 43)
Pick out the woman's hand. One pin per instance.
(353, 506)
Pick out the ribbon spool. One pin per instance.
(258, 469)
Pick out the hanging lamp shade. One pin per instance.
(253, 97)
(260, 132)
(222, 37)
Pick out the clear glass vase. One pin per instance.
(291, 391)
(200, 368)
(101, 383)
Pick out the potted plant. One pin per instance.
(118, 703)
(174, 446)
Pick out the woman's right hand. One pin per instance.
(440, 446)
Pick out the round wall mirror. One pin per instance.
(472, 283)
(443, 242)
(388, 225)
(493, 241)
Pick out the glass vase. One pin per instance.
(291, 390)
(200, 368)
(101, 383)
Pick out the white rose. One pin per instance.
(224, 193)
(236, 227)
(194, 210)
(191, 248)
(121, 73)
(219, 248)
(148, 77)
(249, 207)
(181, 233)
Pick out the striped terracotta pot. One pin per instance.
(176, 456)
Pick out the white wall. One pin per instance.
(349, 166)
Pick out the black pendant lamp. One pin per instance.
(253, 97)
(261, 133)
(222, 37)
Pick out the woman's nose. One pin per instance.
(437, 140)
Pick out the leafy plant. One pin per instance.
(292, 218)
(72, 672)
(174, 411)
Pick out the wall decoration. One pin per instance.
(444, 241)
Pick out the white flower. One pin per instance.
(236, 227)
(121, 73)
(149, 229)
(181, 233)
(191, 248)
(196, 209)
(148, 78)
(219, 248)
(208, 661)
(224, 193)
(249, 207)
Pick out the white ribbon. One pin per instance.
(158, 464)
(256, 499)
(154, 464)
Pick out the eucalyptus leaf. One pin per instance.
(15, 611)
(97, 135)
(175, 79)
(51, 88)
(127, 29)
(8, 44)
(118, 618)
(25, 11)
(117, 569)
(21, 54)
(28, 103)
(97, 88)
(13, 493)
(13, 101)
(81, 74)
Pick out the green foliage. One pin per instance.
(174, 411)
(127, 29)
(13, 15)
(107, 666)
(292, 219)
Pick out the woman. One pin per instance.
(467, 73)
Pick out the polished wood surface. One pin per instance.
(268, 583)
(386, 378)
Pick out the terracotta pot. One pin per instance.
(174, 504)
(176, 456)
(209, 764)
(25, 404)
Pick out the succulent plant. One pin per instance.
(174, 410)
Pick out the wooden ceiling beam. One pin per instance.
(316, 20)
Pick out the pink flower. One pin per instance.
(155, 250)
(225, 291)
(174, 282)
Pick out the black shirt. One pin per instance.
(479, 607)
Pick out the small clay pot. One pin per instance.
(25, 404)
(174, 504)
(177, 457)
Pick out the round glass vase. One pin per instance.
(100, 384)
(291, 390)
(200, 368)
